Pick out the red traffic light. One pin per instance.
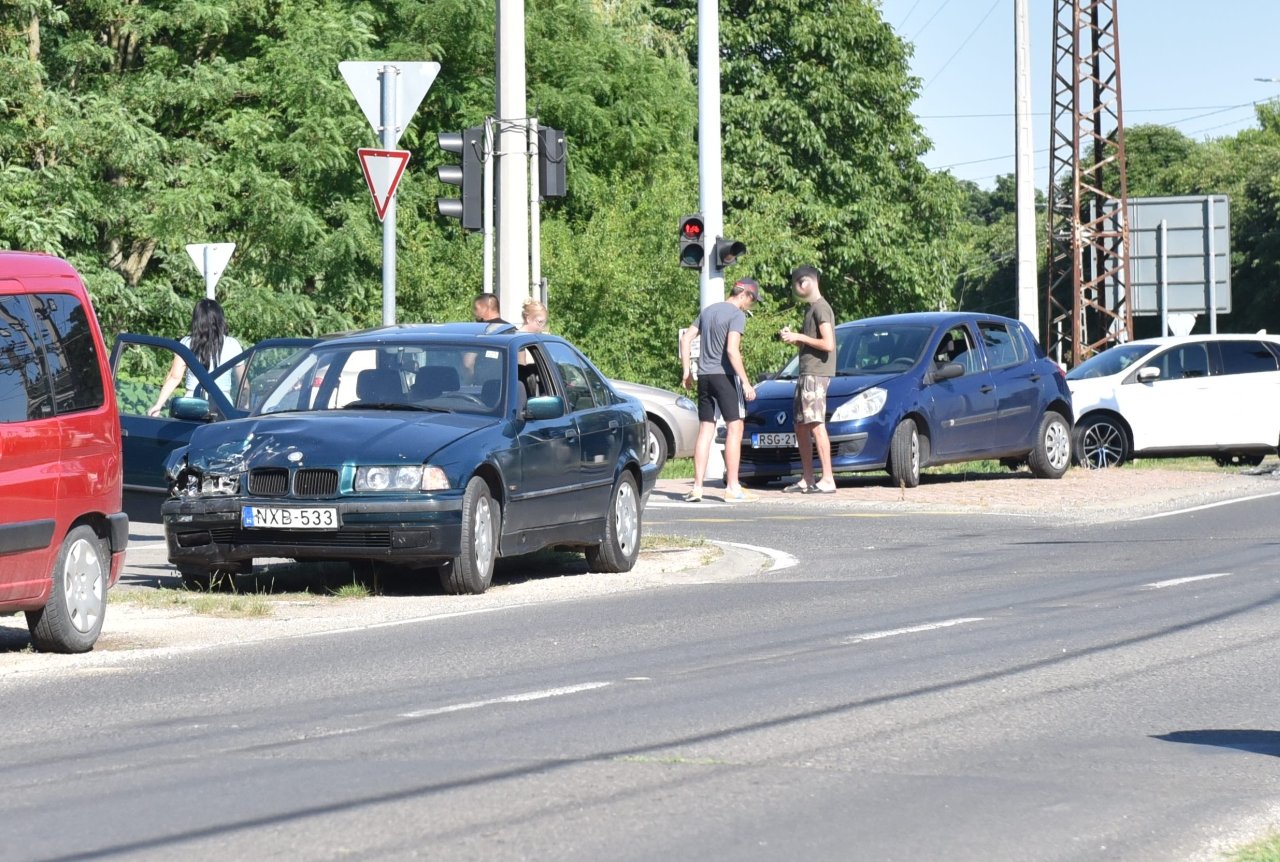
(691, 248)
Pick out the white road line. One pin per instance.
(781, 559)
(1206, 506)
(910, 630)
(706, 503)
(511, 698)
(1173, 582)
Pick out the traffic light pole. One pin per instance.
(512, 167)
(709, 173)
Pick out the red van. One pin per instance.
(62, 531)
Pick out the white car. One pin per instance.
(673, 420)
(1216, 395)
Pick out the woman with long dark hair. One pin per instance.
(209, 341)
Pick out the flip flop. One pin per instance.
(797, 488)
(818, 489)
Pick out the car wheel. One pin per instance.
(472, 570)
(904, 455)
(621, 546)
(1052, 455)
(1101, 442)
(72, 619)
(656, 444)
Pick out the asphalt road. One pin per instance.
(914, 687)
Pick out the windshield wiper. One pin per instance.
(394, 405)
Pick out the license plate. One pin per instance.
(773, 441)
(280, 518)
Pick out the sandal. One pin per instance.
(798, 488)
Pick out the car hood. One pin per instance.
(840, 387)
(1089, 393)
(328, 439)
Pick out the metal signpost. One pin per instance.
(211, 259)
(389, 92)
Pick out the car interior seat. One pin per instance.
(490, 392)
(1195, 362)
(435, 380)
(380, 386)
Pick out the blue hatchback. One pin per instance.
(914, 390)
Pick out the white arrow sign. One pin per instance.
(211, 259)
(411, 85)
(382, 171)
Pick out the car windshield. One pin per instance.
(455, 378)
(867, 349)
(1109, 362)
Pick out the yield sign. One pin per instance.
(410, 80)
(382, 171)
(211, 259)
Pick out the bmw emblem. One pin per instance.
(295, 456)
(781, 417)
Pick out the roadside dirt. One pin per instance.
(137, 630)
(1081, 496)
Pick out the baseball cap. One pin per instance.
(749, 286)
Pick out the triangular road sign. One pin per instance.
(382, 171)
(211, 259)
(412, 83)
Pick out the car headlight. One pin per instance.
(401, 478)
(686, 404)
(861, 406)
(190, 484)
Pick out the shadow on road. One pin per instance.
(1254, 741)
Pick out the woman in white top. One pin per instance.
(209, 341)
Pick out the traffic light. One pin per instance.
(692, 251)
(467, 175)
(552, 153)
(727, 251)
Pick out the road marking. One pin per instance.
(1205, 506)
(511, 698)
(910, 630)
(1173, 582)
(781, 559)
(706, 502)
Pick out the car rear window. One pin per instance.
(1246, 357)
(24, 385)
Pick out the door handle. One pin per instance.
(985, 388)
(1035, 378)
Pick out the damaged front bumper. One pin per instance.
(209, 532)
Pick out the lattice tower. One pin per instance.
(1087, 305)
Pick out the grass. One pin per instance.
(677, 468)
(237, 605)
(1266, 850)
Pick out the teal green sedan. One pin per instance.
(444, 446)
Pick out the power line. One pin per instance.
(1046, 113)
(938, 73)
(930, 21)
(907, 17)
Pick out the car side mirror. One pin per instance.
(949, 371)
(544, 407)
(1148, 373)
(190, 409)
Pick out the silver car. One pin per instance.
(673, 420)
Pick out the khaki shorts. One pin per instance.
(810, 405)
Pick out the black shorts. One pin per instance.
(719, 390)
